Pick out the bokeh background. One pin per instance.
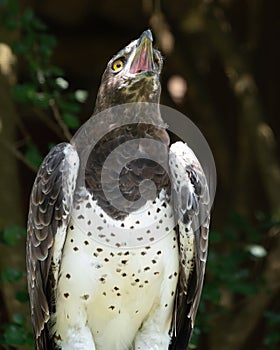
(222, 70)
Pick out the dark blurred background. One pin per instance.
(221, 69)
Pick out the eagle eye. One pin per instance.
(117, 65)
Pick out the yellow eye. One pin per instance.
(117, 65)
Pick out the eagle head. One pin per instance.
(132, 75)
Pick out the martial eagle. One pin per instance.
(89, 287)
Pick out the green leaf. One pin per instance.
(11, 235)
(273, 318)
(67, 106)
(23, 92)
(19, 319)
(71, 120)
(22, 296)
(11, 275)
(33, 155)
(14, 335)
(27, 17)
(245, 288)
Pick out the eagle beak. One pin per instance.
(143, 57)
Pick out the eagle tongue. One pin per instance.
(143, 58)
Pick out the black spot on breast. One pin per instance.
(81, 217)
(85, 296)
(66, 295)
(88, 205)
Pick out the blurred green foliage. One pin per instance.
(42, 88)
(16, 332)
(235, 269)
(45, 86)
(272, 338)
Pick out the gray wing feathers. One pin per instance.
(50, 203)
(191, 206)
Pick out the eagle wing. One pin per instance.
(49, 213)
(192, 207)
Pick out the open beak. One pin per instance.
(143, 57)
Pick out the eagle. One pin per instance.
(118, 223)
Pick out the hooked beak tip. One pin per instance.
(143, 58)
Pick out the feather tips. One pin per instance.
(50, 201)
(191, 206)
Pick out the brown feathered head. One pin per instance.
(132, 75)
